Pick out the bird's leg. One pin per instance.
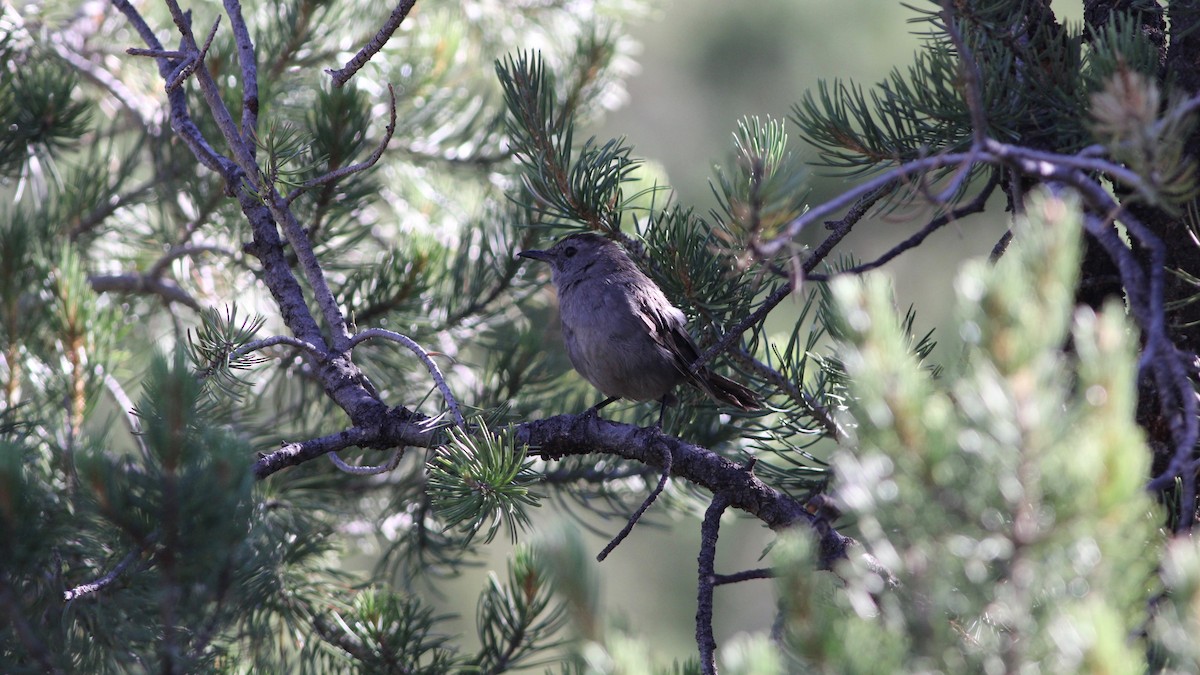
(596, 408)
(666, 400)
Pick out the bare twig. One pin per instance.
(900, 174)
(342, 172)
(746, 575)
(742, 326)
(1000, 247)
(637, 515)
(976, 205)
(274, 340)
(192, 61)
(157, 53)
(343, 75)
(709, 529)
(116, 571)
(840, 228)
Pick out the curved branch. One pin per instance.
(387, 466)
(342, 172)
(434, 371)
(976, 205)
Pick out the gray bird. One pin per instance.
(622, 333)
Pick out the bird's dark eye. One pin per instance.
(569, 251)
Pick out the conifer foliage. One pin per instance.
(260, 313)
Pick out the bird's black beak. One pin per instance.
(535, 254)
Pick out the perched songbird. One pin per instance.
(622, 334)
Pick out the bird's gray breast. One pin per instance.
(612, 342)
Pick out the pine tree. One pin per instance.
(231, 246)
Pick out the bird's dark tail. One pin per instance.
(727, 391)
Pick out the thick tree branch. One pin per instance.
(401, 428)
(583, 434)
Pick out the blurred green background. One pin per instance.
(704, 65)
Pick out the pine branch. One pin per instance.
(25, 632)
